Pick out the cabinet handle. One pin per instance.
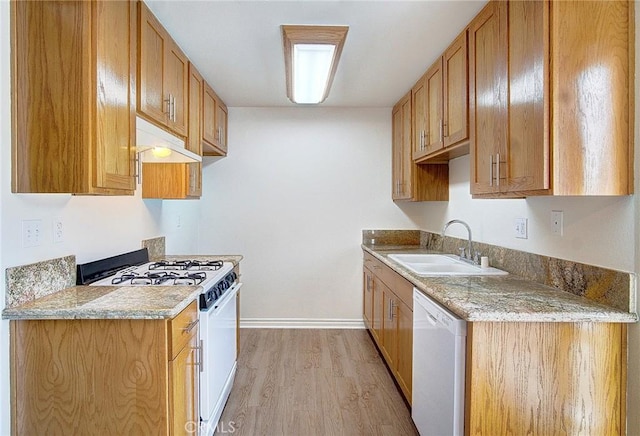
(391, 304)
(168, 102)
(441, 129)
(446, 130)
(201, 354)
(490, 170)
(190, 327)
(173, 108)
(497, 169)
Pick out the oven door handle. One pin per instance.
(225, 298)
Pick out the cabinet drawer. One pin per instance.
(182, 328)
(394, 281)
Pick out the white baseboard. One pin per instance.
(300, 323)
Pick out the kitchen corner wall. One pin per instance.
(293, 195)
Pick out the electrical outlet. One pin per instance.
(31, 233)
(556, 222)
(179, 221)
(521, 228)
(58, 230)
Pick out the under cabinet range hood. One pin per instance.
(155, 145)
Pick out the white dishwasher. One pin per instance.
(439, 340)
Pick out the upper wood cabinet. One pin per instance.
(180, 180)
(214, 123)
(73, 89)
(442, 106)
(413, 182)
(551, 111)
(162, 75)
(488, 95)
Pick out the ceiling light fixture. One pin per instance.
(311, 55)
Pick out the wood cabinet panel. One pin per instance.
(419, 98)
(404, 369)
(73, 79)
(392, 319)
(546, 378)
(151, 67)
(434, 133)
(367, 295)
(567, 86)
(455, 66)
(413, 182)
(104, 376)
(185, 387)
(592, 83)
(488, 95)
(215, 123)
(163, 75)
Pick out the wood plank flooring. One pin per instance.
(300, 382)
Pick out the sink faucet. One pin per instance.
(470, 256)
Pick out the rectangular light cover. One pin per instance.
(311, 69)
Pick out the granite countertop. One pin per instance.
(108, 302)
(501, 298)
(114, 302)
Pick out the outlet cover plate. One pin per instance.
(521, 228)
(557, 222)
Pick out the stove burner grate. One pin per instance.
(161, 278)
(186, 265)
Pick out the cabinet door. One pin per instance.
(402, 168)
(455, 88)
(176, 83)
(378, 310)
(367, 303)
(152, 100)
(404, 366)
(419, 118)
(194, 132)
(221, 125)
(488, 96)
(433, 83)
(592, 74)
(184, 372)
(527, 154)
(389, 327)
(209, 115)
(114, 24)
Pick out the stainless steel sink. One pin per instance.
(426, 265)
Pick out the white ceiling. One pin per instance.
(237, 45)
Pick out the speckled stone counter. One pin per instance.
(108, 302)
(102, 302)
(501, 298)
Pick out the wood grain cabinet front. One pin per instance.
(105, 376)
(180, 180)
(551, 378)
(214, 123)
(551, 111)
(442, 128)
(391, 313)
(162, 75)
(413, 182)
(73, 106)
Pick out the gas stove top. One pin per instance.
(134, 269)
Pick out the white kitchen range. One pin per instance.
(217, 313)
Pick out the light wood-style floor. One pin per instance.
(300, 382)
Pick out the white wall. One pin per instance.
(597, 230)
(293, 195)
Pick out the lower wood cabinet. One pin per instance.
(547, 378)
(105, 376)
(388, 314)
